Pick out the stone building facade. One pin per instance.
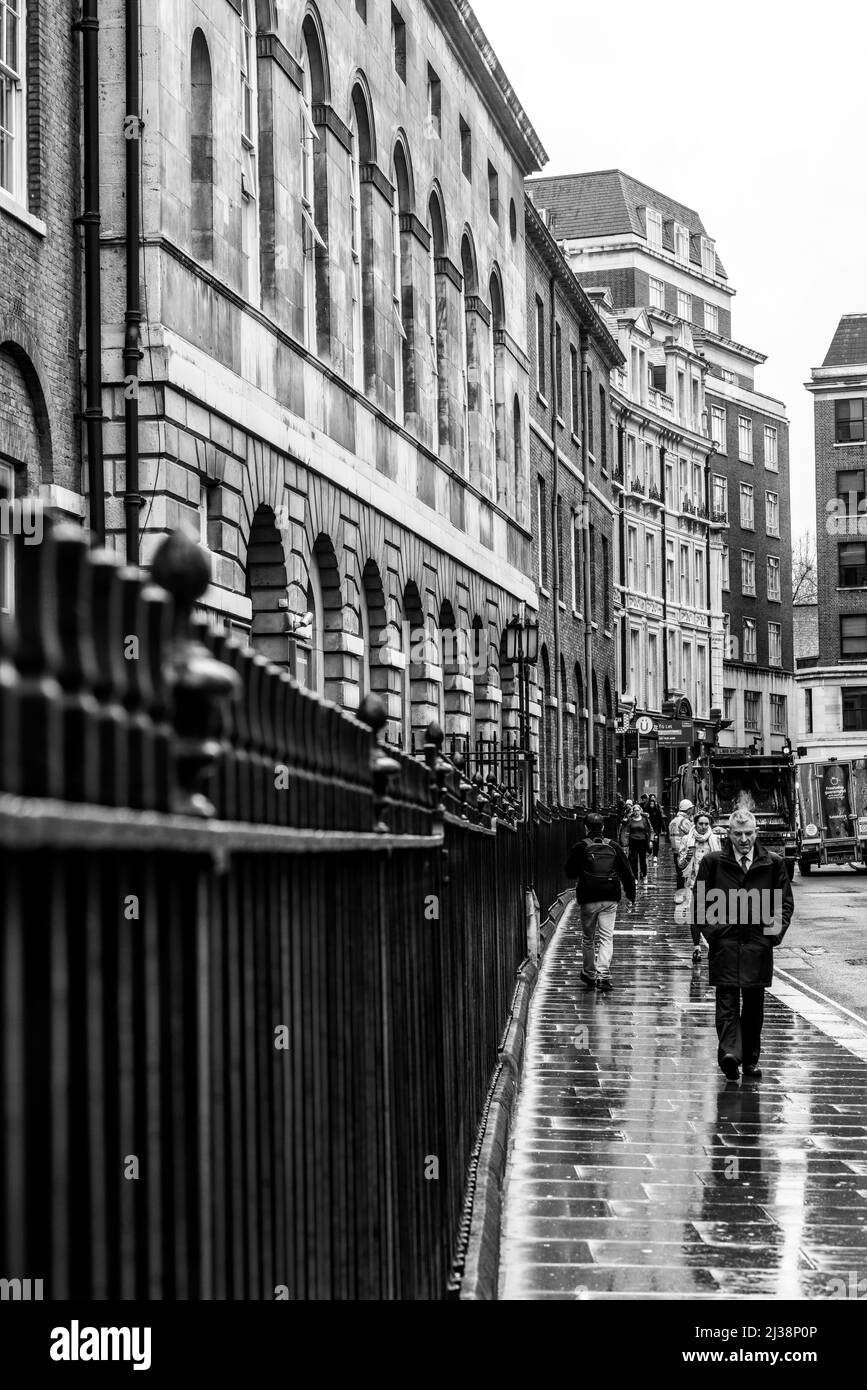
(726, 444)
(833, 687)
(572, 355)
(40, 314)
(335, 376)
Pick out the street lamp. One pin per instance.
(522, 651)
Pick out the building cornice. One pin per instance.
(549, 251)
(483, 67)
(704, 335)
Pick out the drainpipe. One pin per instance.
(586, 405)
(90, 220)
(621, 525)
(555, 553)
(132, 354)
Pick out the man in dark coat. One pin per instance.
(743, 902)
(601, 868)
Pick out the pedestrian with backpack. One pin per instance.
(639, 837)
(601, 870)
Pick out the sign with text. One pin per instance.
(674, 731)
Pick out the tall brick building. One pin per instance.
(833, 688)
(572, 354)
(725, 443)
(40, 449)
(335, 376)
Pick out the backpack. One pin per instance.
(600, 864)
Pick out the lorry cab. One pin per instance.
(833, 810)
(724, 780)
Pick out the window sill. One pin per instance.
(561, 604)
(541, 399)
(850, 443)
(546, 593)
(561, 422)
(772, 468)
(576, 439)
(21, 214)
(851, 588)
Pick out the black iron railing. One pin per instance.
(255, 965)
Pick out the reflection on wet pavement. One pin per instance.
(637, 1170)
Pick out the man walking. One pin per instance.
(746, 916)
(680, 826)
(601, 868)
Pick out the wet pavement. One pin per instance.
(637, 1171)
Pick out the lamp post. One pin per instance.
(522, 651)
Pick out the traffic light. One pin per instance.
(630, 743)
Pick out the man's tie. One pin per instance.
(744, 862)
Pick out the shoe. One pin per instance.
(603, 984)
(730, 1066)
(589, 980)
(752, 1071)
(696, 955)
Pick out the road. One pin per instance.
(826, 946)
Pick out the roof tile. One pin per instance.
(849, 344)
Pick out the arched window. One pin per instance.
(400, 203)
(518, 441)
(494, 385)
(249, 175)
(468, 287)
(201, 150)
(436, 229)
(359, 126)
(364, 624)
(311, 92)
(314, 675)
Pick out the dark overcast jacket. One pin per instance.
(739, 951)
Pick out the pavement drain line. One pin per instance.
(838, 1023)
(481, 1261)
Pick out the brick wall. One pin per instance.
(574, 785)
(40, 282)
(735, 603)
(831, 458)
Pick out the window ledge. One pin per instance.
(561, 604)
(851, 588)
(21, 214)
(541, 399)
(850, 443)
(546, 593)
(576, 439)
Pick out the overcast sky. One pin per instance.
(753, 114)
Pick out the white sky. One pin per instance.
(752, 113)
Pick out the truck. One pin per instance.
(833, 807)
(722, 780)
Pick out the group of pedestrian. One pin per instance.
(739, 940)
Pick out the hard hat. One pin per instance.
(685, 806)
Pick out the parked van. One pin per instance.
(833, 810)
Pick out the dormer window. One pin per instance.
(654, 228)
(681, 243)
(708, 256)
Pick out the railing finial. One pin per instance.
(200, 684)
